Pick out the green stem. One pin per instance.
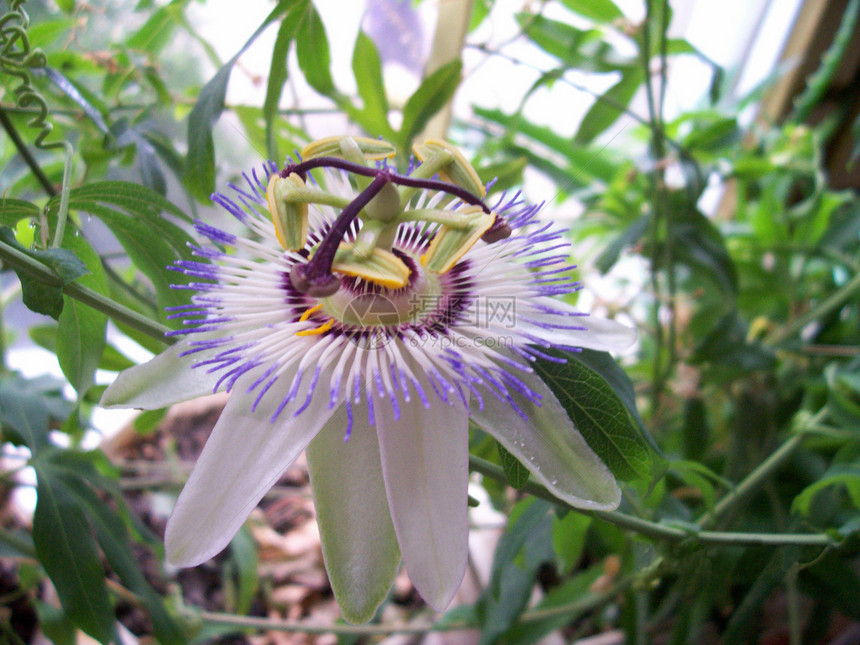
(661, 531)
(63, 211)
(20, 261)
(571, 610)
(830, 303)
(755, 479)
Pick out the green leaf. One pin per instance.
(611, 105)
(199, 174)
(524, 547)
(158, 30)
(726, 344)
(516, 474)
(596, 10)
(631, 235)
(599, 414)
(133, 198)
(23, 413)
(568, 539)
(312, 51)
(149, 253)
(81, 329)
(847, 475)
(608, 369)
(430, 97)
(55, 624)
(37, 295)
(367, 68)
(244, 563)
(278, 72)
(68, 552)
(588, 163)
(14, 210)
(113, 538)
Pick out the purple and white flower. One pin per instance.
(369, 330)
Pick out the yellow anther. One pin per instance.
(380, 267)
(372, 149)
(290, 218)
(459, 171)
(309, 312)
(316, 331)
(451, 244)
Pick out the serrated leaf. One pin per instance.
(599, 414)
(68, 552)
(430, 97)
(516, 474)
(609, 106)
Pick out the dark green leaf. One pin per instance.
(55, 624)
(67, 550)
(727, 345)
(313, 53)
(112, 536)
(23, 413)
(596, 10)
(81, 329)
(516, 474)
(430, 97)
(37, 295)
(525, 546)
(611, 105)
(599, 414)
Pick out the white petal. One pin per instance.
(164, 380)
(243, 458)
(358, 541)
(425, 461)
(598, 333)
(550, 446)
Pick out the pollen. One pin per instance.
(309, 312)
(316, 331)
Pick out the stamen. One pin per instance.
(316, 331)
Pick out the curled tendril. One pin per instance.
(17, 58)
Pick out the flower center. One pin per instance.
(362, 305)
(383, 205)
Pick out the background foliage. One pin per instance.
(735, 424)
